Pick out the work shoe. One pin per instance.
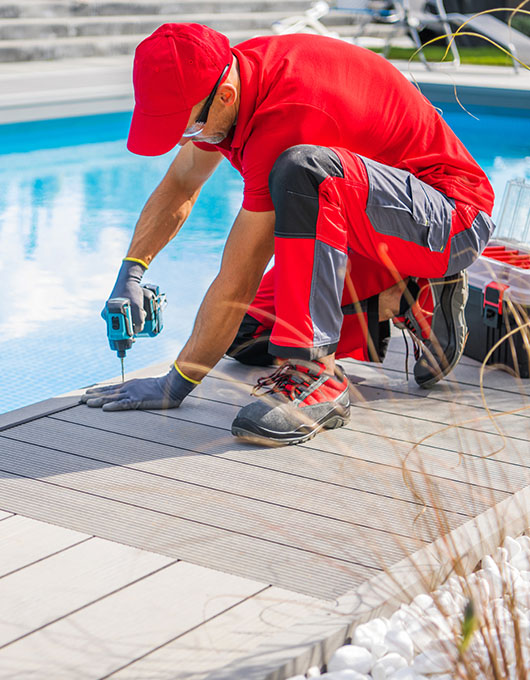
(301, 401)
(437, 324)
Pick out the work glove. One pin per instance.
(128, 286)
(142, 393)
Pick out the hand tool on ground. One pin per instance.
(117, 314)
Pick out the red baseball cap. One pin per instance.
(174, 69)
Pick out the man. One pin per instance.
(370, 204)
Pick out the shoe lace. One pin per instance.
(287, 380)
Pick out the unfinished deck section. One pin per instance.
(155, 545)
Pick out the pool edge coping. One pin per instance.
(56, 97)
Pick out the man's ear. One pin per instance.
(227, 93)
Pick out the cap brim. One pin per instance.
(156, 135)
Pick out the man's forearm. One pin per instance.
(248, 249)
(162, 217)
(215, 328)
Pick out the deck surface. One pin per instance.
(155, 545)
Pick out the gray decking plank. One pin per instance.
(465, 372)
(336, 540)
(405, 428)
(121, 626)
(25, 541)
(163, 533)
(235, 633)
(36, 410)
(352, 498)
(52, 588)
(463, 376)
(362, 446)
(416, 405)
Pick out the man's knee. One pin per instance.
(294, 183)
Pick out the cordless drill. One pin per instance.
(118, 316)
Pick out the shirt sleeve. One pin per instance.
(275, 130)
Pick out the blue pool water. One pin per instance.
(70, 197)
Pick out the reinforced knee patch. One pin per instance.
(293, 183)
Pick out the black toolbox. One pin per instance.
(498, 309)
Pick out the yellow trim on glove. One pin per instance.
(135, 259)
(195, 382)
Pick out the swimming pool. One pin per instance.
(71, 194)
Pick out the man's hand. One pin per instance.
(128, 286)
(142, 393)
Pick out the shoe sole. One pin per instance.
(336, 420)
(456, 314)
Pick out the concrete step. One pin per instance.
(84, 8)
(75, 48)
(70, 27)
(112, 45)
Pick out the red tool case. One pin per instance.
(498, 309)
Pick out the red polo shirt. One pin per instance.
(306, 89)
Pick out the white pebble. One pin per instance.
(434, 662)
(407, 674)
(524, 542)
(396, 620)
(387, 666)
(313, 672)
(399, 641)
(500, 556)
(512, 547)
(422, 602)
(351, 657)
(345, 674)
(371, 635)
(491, 573)
(521, 561)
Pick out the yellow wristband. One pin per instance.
(195, 382)
(135, 259)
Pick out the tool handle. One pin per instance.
(154, 302)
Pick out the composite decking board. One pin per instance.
(234, 633)
(280, 565)
(345, 443)
(354, 497)
(25, 541)
(208, 413)
(116, 629)
(412, 405)
(459, 379)
(401, 428)
(41, 408)
(464, 375)
(53, 588)
(309, 465)
(466, 371)
(341, 541)
(364, 390)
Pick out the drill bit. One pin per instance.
(122, 371)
